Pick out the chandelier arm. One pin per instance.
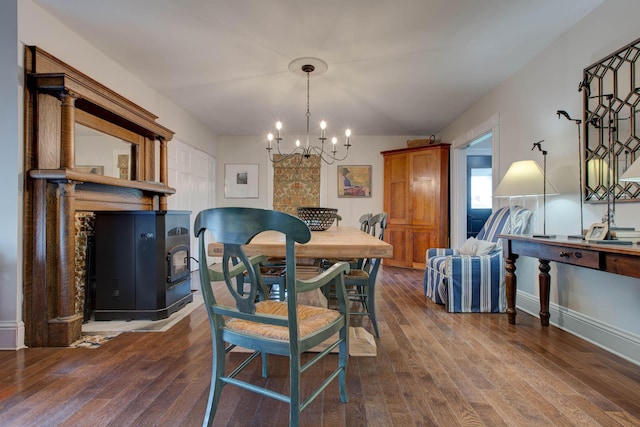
(292, 153)
(324, 155)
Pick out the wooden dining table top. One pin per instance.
(336, 242)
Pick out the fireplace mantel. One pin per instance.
(57, 96)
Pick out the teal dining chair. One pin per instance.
(360, 282)
(353, 262)
(361, 287)
(268, 326)
(378, 224)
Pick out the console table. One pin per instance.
(612, 258)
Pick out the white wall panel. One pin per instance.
(191, 173)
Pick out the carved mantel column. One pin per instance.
(66, 326)
(68, 120)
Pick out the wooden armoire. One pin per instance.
(416, 199)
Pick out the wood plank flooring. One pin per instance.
(433, 369)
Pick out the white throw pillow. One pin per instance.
(468, 247)
(484, 247)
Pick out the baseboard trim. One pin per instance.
(607, 337)
(11, 335)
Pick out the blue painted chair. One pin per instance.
(364, 222)
(361, 286)
(361, 281)
(269, 326)
(378, 224)
(474, 283)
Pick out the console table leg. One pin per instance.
(545, 285)
(511, 283)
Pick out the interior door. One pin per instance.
(192, 174)
(479, 193)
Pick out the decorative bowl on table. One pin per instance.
(318, 219)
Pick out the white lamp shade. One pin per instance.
(524, 178)
(633, 173)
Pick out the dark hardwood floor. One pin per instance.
(432, 368)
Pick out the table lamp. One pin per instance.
(525, 178)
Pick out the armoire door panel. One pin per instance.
(396, 237)
(397, 212)
(425, 182)
(396, 191)
(421, 240)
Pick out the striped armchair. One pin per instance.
(474, 283)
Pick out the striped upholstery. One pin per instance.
(474, 283)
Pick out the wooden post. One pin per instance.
(164, 172)
(511, 285)
(66, 327)
(545, 286)
(67, 143)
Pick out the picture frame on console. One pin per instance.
(597, 231)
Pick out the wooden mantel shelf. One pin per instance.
(80, 177)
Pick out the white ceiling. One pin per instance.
(396, 67)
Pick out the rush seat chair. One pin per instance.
(283, 328)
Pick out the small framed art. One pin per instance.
(354, 181)
(122, 164)
(241, 181)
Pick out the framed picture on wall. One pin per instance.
(241, 181)
(354, 180)
(122, 164)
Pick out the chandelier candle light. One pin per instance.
(308, 67)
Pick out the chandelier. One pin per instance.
(308, 67)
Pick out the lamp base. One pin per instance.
(544, 236)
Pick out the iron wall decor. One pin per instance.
(611, 98)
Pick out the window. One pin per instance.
(481, 193)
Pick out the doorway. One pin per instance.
(479, 173)
(482, 140)
(479, 193)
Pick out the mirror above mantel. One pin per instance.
(101, 154)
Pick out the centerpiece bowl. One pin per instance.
(318, 219)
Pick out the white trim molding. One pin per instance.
(11, 335)
(607, 337)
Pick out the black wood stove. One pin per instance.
(141, 264)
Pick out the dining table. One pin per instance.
(336, 242)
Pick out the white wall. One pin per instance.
(24, 23)
(11, 326)
(599, 306)
(365, 150)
